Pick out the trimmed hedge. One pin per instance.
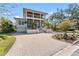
(6, 44)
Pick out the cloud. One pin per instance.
(6, 13)
(18, 17)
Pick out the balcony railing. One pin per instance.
(35, 16)
(29, 15)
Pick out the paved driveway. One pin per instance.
(36, 45)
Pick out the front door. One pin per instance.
(37, 24)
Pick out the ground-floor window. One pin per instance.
(30, 24)
(34, 24)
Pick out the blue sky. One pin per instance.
(44, 7)
(49, 7)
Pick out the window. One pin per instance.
(22, 22)
(19, 22)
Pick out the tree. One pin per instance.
(5, 14)
(57, 15)
(72, 11)
(65, 25)
(6, 25)
(56, 18)
(47, 24)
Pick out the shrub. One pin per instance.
(77, 31)
(58, 36)
(65, 25)
(65, 36)
(6, 25)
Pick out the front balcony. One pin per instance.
(29, 15)
(35, 15)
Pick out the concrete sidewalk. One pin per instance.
(68, 51)
(36, 45)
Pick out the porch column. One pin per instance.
(40, 20)
(40, 15)
(33, 14)
(26, 23)
(40, 23)
(21, 21)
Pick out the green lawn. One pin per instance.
(6, 41)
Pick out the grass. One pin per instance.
(6, 44)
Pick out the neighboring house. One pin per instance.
(32, 21)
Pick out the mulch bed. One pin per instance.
(68, 41)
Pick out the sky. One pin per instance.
(48, 8)
(44, 7)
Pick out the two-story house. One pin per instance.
(32, 21)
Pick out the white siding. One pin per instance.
(21, 28)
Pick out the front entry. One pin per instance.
(38, 24)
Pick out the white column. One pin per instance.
(20, 21)
(44, 16)
(40, 20)
(17, 22)
(33, 14)
(40, 15)
(26, 21)
(40, 23)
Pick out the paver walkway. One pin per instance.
(36, 45)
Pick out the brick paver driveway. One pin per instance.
(36, 45)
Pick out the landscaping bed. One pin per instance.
(6, 42)
(66, 37)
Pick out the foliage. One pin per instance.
(47, 24)
(76, 31)
(56, 18)
(6, 25)
(70, 13)
(58, 36)
(65, 36)
(69, 36)
(13, 28)
(65, 25)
